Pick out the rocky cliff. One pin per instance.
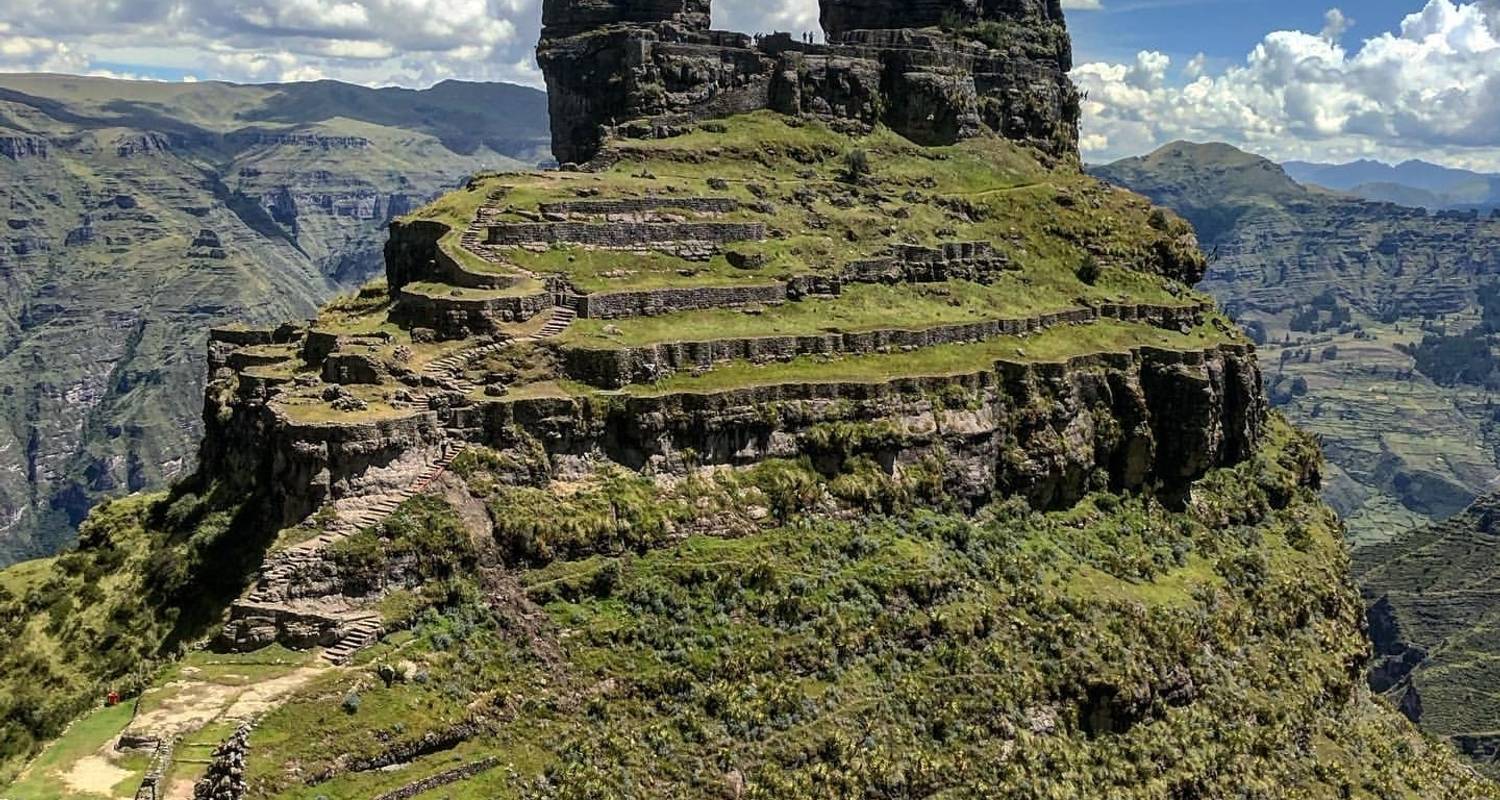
(734, 464)
(1371, 317)
(936, 72)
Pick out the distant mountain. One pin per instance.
(137, 214)
(1341, 292)
(1412, 183)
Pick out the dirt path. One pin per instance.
(193, 704)
(179, 790)
(95, 774)
(189, 704)
(258, 698)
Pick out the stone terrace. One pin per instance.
(529, 305)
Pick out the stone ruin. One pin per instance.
(935, 71)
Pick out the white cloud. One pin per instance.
(404, 42)
(1430, 89)
(1195, 68)
(1335, 25)
(36, 53)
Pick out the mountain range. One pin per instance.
(1339, 291)
(1410, 183)
(137, 215)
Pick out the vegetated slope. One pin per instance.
(1411, 183)
(1434, 615)
(1338, 292)
(139, 214)
(1063, 555)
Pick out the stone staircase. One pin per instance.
(357, 515)
(448, 371)
(562, 318)
(360, 634)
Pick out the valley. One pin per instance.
(138, 215)
(1338, 292)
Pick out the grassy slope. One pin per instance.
(915, 654)
(833, 635)
(1440, 580)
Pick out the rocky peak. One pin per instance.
(842, 16)
(936, 71)
(572, 17)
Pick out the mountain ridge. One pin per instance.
(1329, 281)
(255, 202)
(1412, 182)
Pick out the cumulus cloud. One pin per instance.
(1335, 25)
(36, 53)
(403, 42)
(1429, 89)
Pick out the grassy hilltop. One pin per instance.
(827, 608)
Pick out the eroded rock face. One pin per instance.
(654, 66)
(1048, 432)
(570, 17)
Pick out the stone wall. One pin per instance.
(224, 343)
(624, 235)
(613, 368)
(643, 205)
(655, 66)
(411, 252)
(655, 302)
(442, 779)
(462, 317)
(252, 626)
(1046, 432)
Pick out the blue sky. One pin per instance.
(1383, 79)
(1324, 80)
(1224, 30)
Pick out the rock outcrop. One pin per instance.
(937, 71)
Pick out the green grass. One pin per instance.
(86, 737)
(20, 578)
(831, 658)
(1056, 344)
(457, 211)
(983, 190)
(858, 308)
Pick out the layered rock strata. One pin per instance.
(936, 71)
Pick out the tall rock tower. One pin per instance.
(1014, 55)
(937, 71)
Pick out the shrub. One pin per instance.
(1089, 270)
(857, 165)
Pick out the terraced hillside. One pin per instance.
(827, 433)
(788, 473)
(1338, 293)
(1433, 617)
(139, 214)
